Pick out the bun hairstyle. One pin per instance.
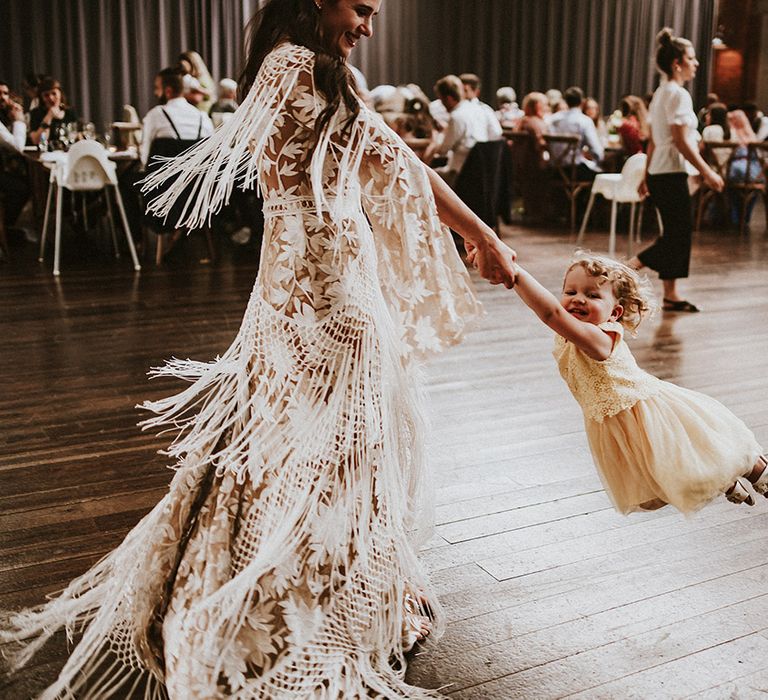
(670, 48)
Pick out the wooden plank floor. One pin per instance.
(549, 593)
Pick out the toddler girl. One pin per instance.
(654, 443)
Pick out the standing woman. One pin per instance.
(672, 156)
(282, 562)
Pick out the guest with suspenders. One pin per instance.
(169, 129)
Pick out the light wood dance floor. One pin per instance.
(549, 593)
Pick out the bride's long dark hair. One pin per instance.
(298, 21)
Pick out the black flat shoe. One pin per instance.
(680, 305)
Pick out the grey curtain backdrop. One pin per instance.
(106, 52)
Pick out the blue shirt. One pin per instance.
(575, 123)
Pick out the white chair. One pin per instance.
(619, 188)
(85, 168)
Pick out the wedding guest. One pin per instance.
(672, 156)
(462, 132)
(532, 161)
(745, 165)
(227, 100)
(757, 120)
(194, 93)
(52, 113)
(14, 180)
(31, 81)
(574, 122)
(173, 117)
(633, 129)
(507, 111)
(555, 104)
(13, 127)
(191, 63)
(712, 98)
(591, 108)
(486, 117)
(716, 124)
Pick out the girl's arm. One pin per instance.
(494, 260)
(643, 189)
(594, 341)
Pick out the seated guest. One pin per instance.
(52, 113)
(555, 104)
(191, 63)
(485, 115)
(227, 102)
(194, 93)
(463, 131)
(507, 111)
(416, 122)
(532, 160)
(13, 127)
(575, 123)
(14, 182)
(712, 98)
(174, 117)
(716, 124)
(758, 121)
(745, 166)
(633, 129)
(31, 81)
(591, 108)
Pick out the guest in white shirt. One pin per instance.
(508, 112)
(463, 131)
(14, 183)
(575, 123)
(174, 117)
(485, 115)
(673, 155)
(13, 127)
(757, 120)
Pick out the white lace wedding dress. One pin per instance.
(278, 562)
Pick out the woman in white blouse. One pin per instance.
(672, 156)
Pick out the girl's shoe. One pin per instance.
(761, 484)
(738, 493)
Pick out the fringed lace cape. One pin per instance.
(278, 563)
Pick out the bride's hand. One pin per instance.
(494, 260)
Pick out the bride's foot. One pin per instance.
(759, 476)
(417, 620)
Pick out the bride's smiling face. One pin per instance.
(344, 22)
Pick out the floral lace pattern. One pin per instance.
(604, 388)
(279, 562)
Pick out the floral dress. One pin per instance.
(278, 563)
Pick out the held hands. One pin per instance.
(494, 260)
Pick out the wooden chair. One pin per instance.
(753, 184)
(719, 155)
(563, 152)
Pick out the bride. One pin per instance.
(281, 563)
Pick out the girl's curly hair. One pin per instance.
(631, 290)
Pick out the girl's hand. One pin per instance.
(713, 180)
(54, 113)
(17, 112)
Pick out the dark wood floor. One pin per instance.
(549, 592)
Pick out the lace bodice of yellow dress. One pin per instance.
(604, 388)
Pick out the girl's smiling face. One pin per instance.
(589, 298)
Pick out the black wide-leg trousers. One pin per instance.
(670, 255)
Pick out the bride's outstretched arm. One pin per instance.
(493, 259)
